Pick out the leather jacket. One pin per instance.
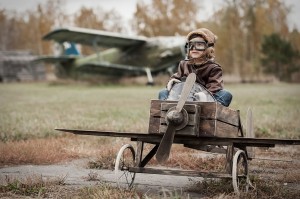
(208, 74)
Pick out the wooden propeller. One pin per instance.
(174, 118)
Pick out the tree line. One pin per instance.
(253, 35)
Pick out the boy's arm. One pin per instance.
(179, 72)
(215, 80)
(175, 78)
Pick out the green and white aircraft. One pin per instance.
(121, 55)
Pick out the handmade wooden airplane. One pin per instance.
(207, 126)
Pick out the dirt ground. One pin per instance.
(281, 164)
(77, 175)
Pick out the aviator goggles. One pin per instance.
(197, 45)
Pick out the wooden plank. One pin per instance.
(149, 156)
(155, 108)
(207, 148)
(179, 172)
(197, 118)
(154, 112)
(188, 130)
(156, 103)
(227, 115)
(229, 159)
(225, 130)
(154, 123)
(207, 128)
(193, 119)
(209, 110)
(180, 139)
(139, 153)
(213, 110)
(190, 108)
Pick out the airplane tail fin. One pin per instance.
(71, 49)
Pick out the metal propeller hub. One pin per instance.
(175, 117)
(178, 119)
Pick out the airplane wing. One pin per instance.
(55, 59)
(112, 69)
(92, 37)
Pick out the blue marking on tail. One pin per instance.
(70, 49)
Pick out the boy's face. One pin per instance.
(193, 52)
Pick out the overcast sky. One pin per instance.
(126, 8)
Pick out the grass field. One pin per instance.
(29, 113)
(35, 110)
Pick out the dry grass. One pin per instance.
(37, 186)
(263, 189)
(190, 159)
(34, 185)
(275, 108)
(36, 151)
(106, 191)
(29, 113)
(279, 164)
(180, 157)
(54, 150)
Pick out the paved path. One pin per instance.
(76, 174)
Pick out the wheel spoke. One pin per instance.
(125, 158)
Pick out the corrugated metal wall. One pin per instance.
(18, 66)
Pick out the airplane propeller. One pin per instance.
(174, 117)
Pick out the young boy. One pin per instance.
(200, 60)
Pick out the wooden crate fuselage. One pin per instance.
(204, 119)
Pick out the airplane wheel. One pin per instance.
(240, 177)
(124, 160)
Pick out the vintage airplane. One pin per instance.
(121, 55)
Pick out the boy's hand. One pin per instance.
(200, 96)
(171, 82)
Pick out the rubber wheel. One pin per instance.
(124, 160)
